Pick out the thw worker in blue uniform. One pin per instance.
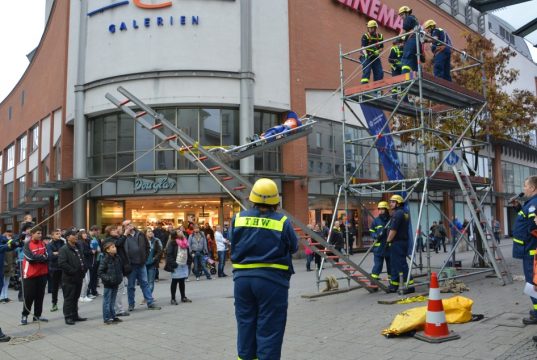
(441, 48)
(524, 243)
(409, 61)
(262, 242)
(398, 238)
(381, 249)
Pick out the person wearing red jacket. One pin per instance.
(34, 275)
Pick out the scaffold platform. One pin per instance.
(382, 94)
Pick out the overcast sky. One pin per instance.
(22, 23)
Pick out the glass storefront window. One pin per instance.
(115, 140)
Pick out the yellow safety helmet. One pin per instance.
(404, 9)
(265, 191)
(397, 198)
(428, 24)
(383, 205)
(372, 23)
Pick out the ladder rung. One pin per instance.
(359, 276)
(227, 178)
(332, 257)
(240, 187)
(201, 158)
(298, 229)
(325, 250)
(156, 126)
(124, 102)
(341, 263)
(314, 243)
(184, 148)
(214, 168)
(141, 113)
(172, 137)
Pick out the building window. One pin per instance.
(115, 140)
(35, 138)
(10, 157)
(35, 176)
(58, 161)
(9, 194)
(23, 144)
(22, 188)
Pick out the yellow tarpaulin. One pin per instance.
(458, 310)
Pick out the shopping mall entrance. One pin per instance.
(171, 210)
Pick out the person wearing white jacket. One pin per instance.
(221, 248)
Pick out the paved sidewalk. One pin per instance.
(346, 326)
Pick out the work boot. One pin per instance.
(534, 338)
(69, 321)
(529, 321)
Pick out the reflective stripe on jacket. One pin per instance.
(262, 240)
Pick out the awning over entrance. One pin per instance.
(38, 191)
(31, 205)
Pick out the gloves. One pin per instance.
(376, 52)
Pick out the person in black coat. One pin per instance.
(54, 270)
(71, 262)
(111, 273)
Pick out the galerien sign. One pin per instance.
(154, 186)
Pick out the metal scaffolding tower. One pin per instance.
(427, 102)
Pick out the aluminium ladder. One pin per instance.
(493, 253)
(236, 185)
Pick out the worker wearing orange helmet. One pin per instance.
(398, 238)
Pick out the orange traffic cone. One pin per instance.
(436, 329)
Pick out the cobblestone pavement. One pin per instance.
(346, 326)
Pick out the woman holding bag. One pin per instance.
(176, 263)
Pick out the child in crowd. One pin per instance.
(111, 274)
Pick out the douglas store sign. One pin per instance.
(158, 21)
(375, 10)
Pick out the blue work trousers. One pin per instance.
(372, 63)
(409, 61)
(527, 264)
(378, 263)
(398, 263)
(139, 272)
(261, 313)
(442, 64)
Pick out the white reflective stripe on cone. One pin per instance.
(434, 294)
(436, 317)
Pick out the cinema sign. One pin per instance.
(374, 9)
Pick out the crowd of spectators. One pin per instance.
(124, 257)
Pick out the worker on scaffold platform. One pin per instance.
(396, 54)
(409, 61)
(381, 250)
(441, 48)
(370, 56)
(398, 238)
(262, 242)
